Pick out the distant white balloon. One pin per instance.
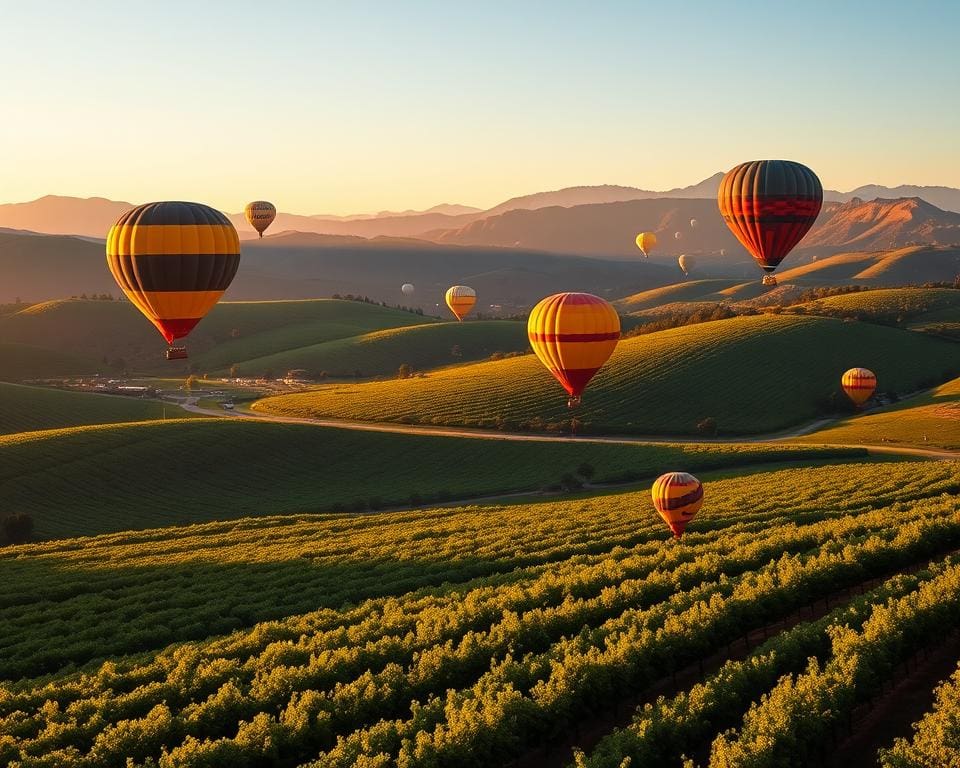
(723, 251)
(407, 288)
(693, 223)
(677, 235)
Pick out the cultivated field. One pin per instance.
(91, 480)
(475, 636)
(750, 374)
(25, 409)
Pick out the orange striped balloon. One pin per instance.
(677, 496)
(573, 335)
(859, 384)
(460, 299)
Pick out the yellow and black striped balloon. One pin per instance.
(173, 261)
(677, 496)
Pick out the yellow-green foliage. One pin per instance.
(891, 304)
(936, 738)
(929, 421)
(23, 409)
(20, 361)
(93, 480)
(382, 352)
(751, 374)
(508, 624)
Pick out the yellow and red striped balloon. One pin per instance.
(859, 384)
(460, 299)
(260, 215)
(677, 496)
(173, 261)
(573, 335)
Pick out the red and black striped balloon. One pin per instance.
(770, 205)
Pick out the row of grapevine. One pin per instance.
(936, 737)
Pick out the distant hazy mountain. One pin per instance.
(946, 198)
(884, 224)
(444, 208)
(53, 214)
(297, 265)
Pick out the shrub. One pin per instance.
(17, 527)
(708, 426)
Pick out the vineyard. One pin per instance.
(476, 636)
(380, 353)
(666, 382)
(24, 409)
(92, 480)
(690, 290)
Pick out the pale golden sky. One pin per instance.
(327, 109)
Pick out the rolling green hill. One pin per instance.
(931, 420)
(751, 374)
(91, 480)
(692, 290)
(24, 409)
(232, 332)
(916, 304)
(22, 361)
(382, 352)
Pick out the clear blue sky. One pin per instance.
(356, 106)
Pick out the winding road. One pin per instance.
(939, 454)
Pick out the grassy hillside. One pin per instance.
(22, 361)
(549, 609)
(929, 421)
(382, 352)
(751, 374)
(693, 290)
(99, 479)
(232, 332)
(917, 305)
(23, 409)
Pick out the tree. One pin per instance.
(585, 470)
(234, 371)
(192, 382)
(708, 426)
(17, 527)
(404, 371)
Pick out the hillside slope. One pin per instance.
(19, 362)
(380, 353)
(24, 409)
(751, 374)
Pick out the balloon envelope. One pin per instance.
(460, 299)
(686, 263)
(646, 242)
(859, 384)
(693, 223)
(573, 335)
(769, 205)
(678, 235)
(173, 260)
(260, 215)
(677, 496)
(407, 288)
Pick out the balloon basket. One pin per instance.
(177, 353)
(770, 280)
(573, 401)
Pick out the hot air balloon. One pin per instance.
(677, 496)
(407, 289)
(686, 263)
(678, 235)
(723, 251)
(770, 205)
(573, 335)
(260, 215)
(460, 299)
(646, 242)
(173, 261)
(693, 223)
(859, 384)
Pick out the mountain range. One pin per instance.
(92, 217)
